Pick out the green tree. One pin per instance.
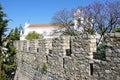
(11, 35)
(21, 29)
(117, 29)
(34, 35)
(7, 52)
(3, 29)
(9, 64)
(3, 24)
(3, 76)
(15, 33)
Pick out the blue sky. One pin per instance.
(37, 11)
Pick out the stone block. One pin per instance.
(114, 35)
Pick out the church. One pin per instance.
(52, 30)
(47, 30)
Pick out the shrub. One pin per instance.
(22, 59)
(44, 68)
(34, 35)
(101, 52)
(35, 72)
(117, 29)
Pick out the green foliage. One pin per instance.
(117, 29)
(3, 29)
(70, 32)
(9, 68)
(22, 59)
(35, 72)
(101, 52)
(3, 24)
(7, 57)
(34, 35)
(9, 65)
(44, 68)
(15, 34)
(90, 31)
(3, 76)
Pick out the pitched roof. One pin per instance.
(41, 25)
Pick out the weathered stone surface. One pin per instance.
(46, 59)
(109, 69)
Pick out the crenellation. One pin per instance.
(109, 69)
(47, 59)
(48, 45)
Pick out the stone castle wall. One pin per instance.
(110, 68)
(67, 58)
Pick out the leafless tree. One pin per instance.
(63, 19)
(97, 17)
(105, 17)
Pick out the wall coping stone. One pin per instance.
(114, 35)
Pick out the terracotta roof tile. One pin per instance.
(41, 25)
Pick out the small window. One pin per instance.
(95, 55)
(63, 62)
(50, 51)
(37, 49)
(68, 52)
(47, 58)
(28, 48)
(91, 68)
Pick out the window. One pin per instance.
(91, 68)
(68, 52)
(37, 49)
(50, 51)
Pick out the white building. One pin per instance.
(48, 30)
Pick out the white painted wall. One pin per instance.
(46, 31)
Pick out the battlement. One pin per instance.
(67, 58)
(59, 43)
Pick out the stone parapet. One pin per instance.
(47, 59)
